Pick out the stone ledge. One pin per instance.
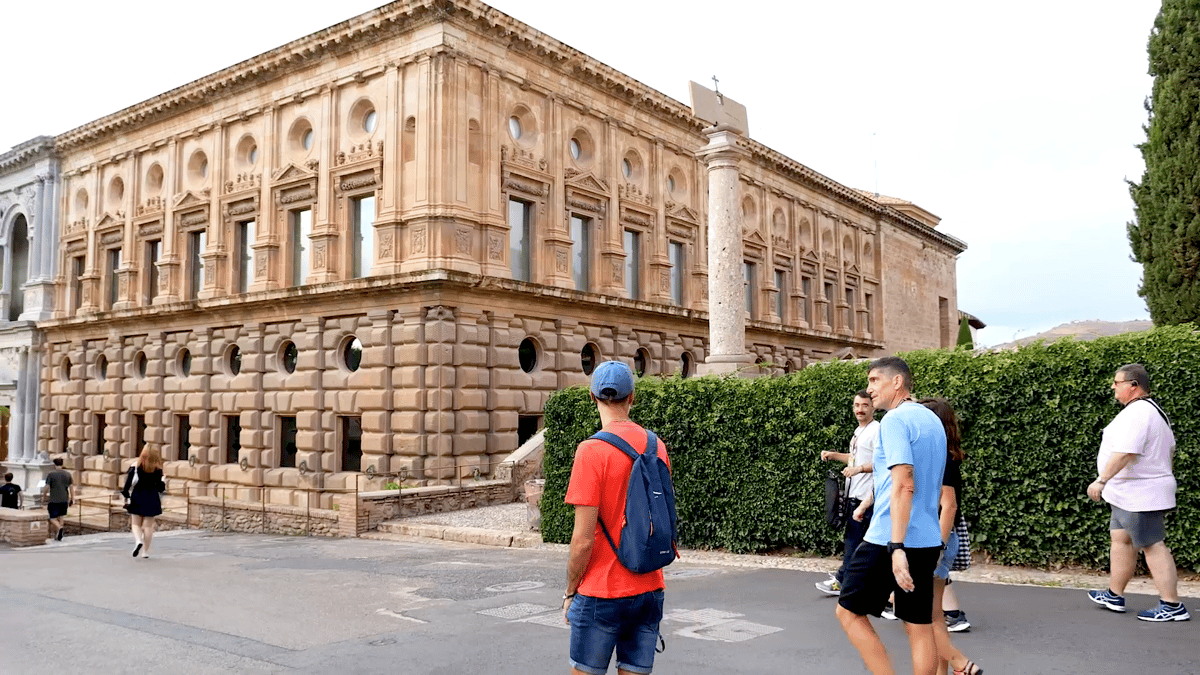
(468, 535)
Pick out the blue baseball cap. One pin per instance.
(612, 381)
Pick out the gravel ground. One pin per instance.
(515, 518)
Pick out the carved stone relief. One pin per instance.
(560, 261)
(462, 240)
(385, 245)
(418, 240)
(495, 248)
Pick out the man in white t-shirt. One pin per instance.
(859, 486)
(1136, 479)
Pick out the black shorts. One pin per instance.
(868, 581)
(56, 509)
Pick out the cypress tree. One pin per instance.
(1165, 235)
(964, 334)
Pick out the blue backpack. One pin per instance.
(649, 534)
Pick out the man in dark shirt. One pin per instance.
(10, 493)
(58, 494)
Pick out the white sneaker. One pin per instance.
(889, 613)
(829, 587)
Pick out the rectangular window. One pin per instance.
(830, 301)
(196, 243)
(64, 428)
(944, 320)
(139, 433)
(233, 438)
(633, 264)
(351, 444)
(153, 250)
(527, 427)
(748, 273)
(287, 442)
(114, 266)
(101, 432)
(77, 266)
(781, 292)
(581, 252)
(362, 235)
(519, 239)
(806, 289)
(850, 300)
(869, 301)
(677, 271)
(301, 227)
(183, 437)
(246, 234)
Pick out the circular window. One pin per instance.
(575, 148)
(102, 368)
(233, 360)
(631, 166)
(514, 127)
(352, 354)
(527, 354)
(116, 191)
(140, 365)
(198, 166)
(66, 369)
(247, 150)
(288, 357)
(522, 126)
(369, 122)
(587, 358)
(581, 147)
(671, 184)
(640, 359)
(685, 365)
(300, 137)
(154, 180)
(183, 363)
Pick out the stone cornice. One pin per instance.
(338, 38)
(22, 153)
(802, 174)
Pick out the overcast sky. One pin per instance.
(1016, 123)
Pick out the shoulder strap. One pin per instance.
(1157, 407)
(617, 442)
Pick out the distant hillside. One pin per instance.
(1082, 330)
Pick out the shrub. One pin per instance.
(745, 452)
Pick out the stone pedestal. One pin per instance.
(726, 294)
(29, 475)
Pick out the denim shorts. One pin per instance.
(943, 569)
(628, 625)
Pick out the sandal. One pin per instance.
(969, 669)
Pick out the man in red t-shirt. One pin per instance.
(608, 607)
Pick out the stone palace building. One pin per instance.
(383, 246)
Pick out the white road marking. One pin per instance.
(396, 615)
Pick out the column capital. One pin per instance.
(722, 146)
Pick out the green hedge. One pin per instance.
(748, 477)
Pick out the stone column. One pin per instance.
(726, 294)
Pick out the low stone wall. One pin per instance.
(210, 513)
(23, 527)
(373, 508)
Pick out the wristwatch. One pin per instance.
(893, 547)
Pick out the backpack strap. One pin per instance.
(620, 444)
(1157, 407)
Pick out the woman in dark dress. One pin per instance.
(948, 514)
(143, 484)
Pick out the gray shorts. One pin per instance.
(1145, 528)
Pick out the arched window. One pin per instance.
(18, 245)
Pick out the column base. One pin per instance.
(741, 365)
(30, 476)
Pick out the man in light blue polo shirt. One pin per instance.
(903, 544)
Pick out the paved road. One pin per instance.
(221, 603)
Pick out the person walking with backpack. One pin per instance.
(859, 485)
(624, 534)
(143, 484)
